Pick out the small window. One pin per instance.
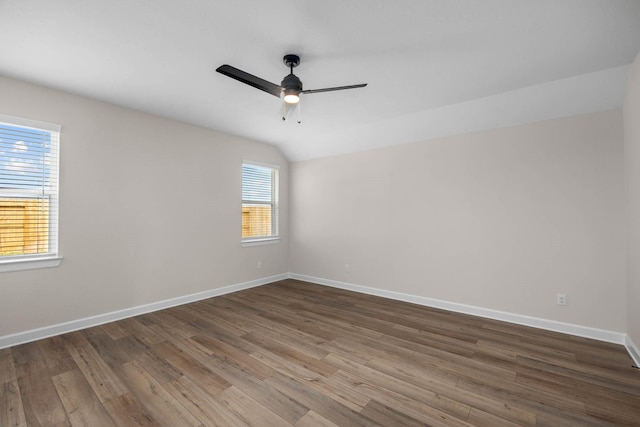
(259, 202)
(28, 190)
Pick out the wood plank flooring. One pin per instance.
(298, 354)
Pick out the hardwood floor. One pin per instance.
(293, 353)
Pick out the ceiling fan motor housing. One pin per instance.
(292, 82)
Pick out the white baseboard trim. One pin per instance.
(633, 349)
(87, 322)
(551, 325)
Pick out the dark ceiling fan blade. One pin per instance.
(331, 89)
(250, 79)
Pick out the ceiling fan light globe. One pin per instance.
(291, 98)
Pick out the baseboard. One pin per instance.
(577, 330)
(633, 349)
(551, 325)
(87, 322)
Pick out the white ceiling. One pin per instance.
(434, 67)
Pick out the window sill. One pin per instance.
(259, 242)
(29, 264)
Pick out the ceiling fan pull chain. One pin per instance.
(299, 113)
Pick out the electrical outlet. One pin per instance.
(259, 265)
(561, 299)
(347, 268)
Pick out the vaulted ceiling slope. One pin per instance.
(434, 67)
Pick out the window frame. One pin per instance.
(274, 203)
(53, 257)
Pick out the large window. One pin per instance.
(28, 190)
(259, 202)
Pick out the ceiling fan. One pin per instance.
(289, 89)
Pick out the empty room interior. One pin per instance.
(298, 213)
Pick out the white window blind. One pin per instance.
(28, 189)
(259, 202)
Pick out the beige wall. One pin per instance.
(150, 210)
(503, 219)
(632, 167)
